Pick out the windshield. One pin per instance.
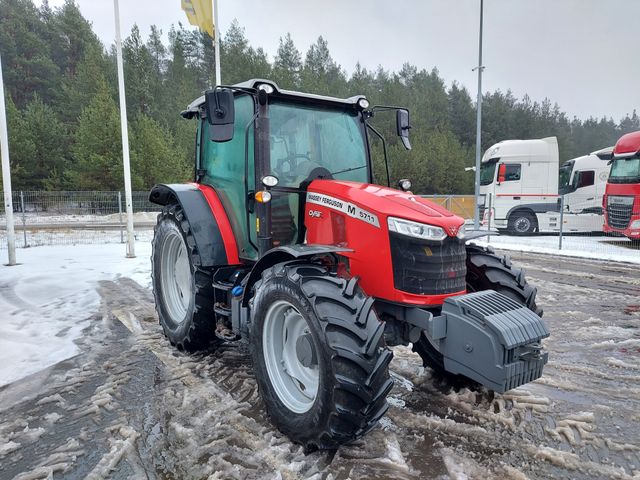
(565, 175)
(304, 138)
(488, 171)
(625, 170)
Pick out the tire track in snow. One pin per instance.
(216, 422)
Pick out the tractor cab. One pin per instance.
(260, 145)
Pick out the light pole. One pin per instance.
(131, 242)
(480, 68)
(6, 176)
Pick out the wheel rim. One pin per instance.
(295, 384)
(175, 276)
(523, 224)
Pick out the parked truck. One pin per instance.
(621, 201)
(522, 180)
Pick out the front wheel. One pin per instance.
(182, 289)
(319, 355)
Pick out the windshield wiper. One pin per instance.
(348, 170)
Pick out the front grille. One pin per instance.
(619, 215)
(425, 267)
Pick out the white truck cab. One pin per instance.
(521, 178)
(583, 181)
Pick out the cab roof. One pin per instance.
(536, 150)
(627, 146)
(194, 106)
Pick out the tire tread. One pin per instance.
(359, 357)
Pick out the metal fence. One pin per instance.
(571, 224)
(461, 205)
(70, 218)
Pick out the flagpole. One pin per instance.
(131, 245)
(6, 175)
(216, 41)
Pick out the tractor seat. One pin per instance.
(286, 206)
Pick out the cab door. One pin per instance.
(224, 167)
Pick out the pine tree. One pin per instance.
(26, 55)
(321, 74)
(138, 71)
(462, 115)
(21, 146)
(287, 65)
(154, 157)
(80, 88)
(49, 138)
(70, 35)
(97, 152)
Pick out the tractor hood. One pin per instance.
(388, 202)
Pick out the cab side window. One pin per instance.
(586, 178)
(512, 173)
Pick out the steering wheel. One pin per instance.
(289, 159)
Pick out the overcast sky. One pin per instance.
(582, 54)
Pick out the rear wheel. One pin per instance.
(181, 288)
(522, 223)
(319, 355)
(485, 271)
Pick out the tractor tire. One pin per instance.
(319, 355)
(182, 289)
(485, 271)
(522, 222)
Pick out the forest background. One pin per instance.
(64, 127)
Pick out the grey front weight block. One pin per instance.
(491, 339)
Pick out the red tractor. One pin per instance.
(285, 241)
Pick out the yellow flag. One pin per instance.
(199, 14)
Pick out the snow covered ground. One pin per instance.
(47, 300)
(593, 247)
(128, 405)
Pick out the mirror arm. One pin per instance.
(384, 149)
(385, 108)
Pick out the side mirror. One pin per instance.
(502, 173)
(220, 112)
(403, 127)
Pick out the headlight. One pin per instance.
(415, 229)
(635, 224)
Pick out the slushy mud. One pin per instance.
(131, 406)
